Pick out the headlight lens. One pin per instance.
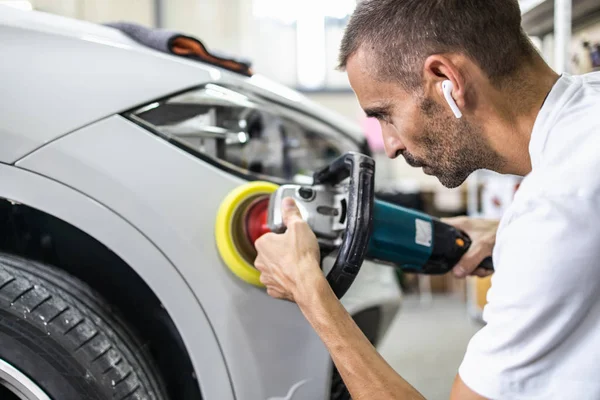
(245, 132)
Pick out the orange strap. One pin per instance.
(185, 46)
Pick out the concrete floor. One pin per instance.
(426, 343)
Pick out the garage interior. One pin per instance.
(295, 44)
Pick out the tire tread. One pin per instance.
(23, 293)
(47, 298)
(61, 312)
(64, 306)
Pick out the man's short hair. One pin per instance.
(400, 34)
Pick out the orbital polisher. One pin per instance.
(341, 209)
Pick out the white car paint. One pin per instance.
(292, 391)
(65, 150)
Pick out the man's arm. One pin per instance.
(366, 374)
(290, 270)
(460, 391)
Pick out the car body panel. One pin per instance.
(90, 72)
(173, 198)
(83, 78)
(131, 245)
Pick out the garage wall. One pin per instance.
(140, 11)
(581, 61)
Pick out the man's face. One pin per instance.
(424, 132)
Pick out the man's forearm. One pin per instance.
(366, 374)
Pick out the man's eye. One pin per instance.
(379, 116)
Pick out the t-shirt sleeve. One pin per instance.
(546, 282)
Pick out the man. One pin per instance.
(542, 338)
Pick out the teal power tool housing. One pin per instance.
(342, 211)
(416, 242)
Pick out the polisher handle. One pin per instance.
(359, 215)
(487, 263)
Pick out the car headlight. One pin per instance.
(245, 132)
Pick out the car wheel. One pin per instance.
(60, 340)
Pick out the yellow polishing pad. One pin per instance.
(229, 227)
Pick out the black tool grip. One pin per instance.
(359, 226)
(337, 171)
(487, 264)
(450, 245)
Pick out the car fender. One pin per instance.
(173, 197)
(138, 251)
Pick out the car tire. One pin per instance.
(61, 335)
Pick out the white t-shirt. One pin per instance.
(542, 338)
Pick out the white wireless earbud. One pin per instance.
(447, 88)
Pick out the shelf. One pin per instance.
(538, 15)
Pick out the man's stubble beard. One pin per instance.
(452, 148)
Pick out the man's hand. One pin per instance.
(483, 234)
(289, 262)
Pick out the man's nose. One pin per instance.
(393, 145)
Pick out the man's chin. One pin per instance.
(451, 182)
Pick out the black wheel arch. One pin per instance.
(31, 233)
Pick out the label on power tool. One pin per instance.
(423, 233)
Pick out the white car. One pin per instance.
(114, 161)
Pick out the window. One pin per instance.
(306, 36)
(245, 132)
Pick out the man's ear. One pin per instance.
(439, 69)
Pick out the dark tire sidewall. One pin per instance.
(37, 355)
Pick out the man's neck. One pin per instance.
(514, 116)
